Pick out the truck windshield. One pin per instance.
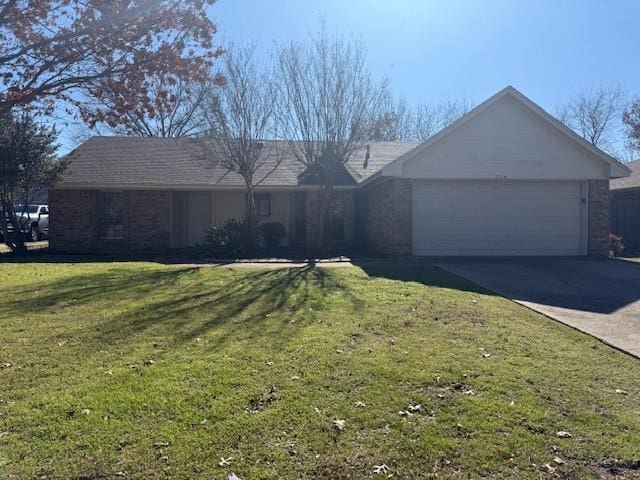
(20, 209)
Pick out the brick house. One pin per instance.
(625, 207)
(505, 179)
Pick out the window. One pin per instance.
(263, 204)
(111, 209)
(44, 211)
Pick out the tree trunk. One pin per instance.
(251, 214)
(326, 196)
(13, 240)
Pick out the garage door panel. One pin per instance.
(497, 218)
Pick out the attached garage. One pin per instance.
(507, 179)
(498, 218)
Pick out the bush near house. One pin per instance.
(232, 239)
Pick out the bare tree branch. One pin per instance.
(240, 116)
(596, 115)
(328, 102)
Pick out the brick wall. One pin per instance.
(387, 217)
(148, 220)
(74, 226)
(598, 217)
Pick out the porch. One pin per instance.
(193, 212)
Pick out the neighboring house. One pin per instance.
(625, 208)
(505, 179)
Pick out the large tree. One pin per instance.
(329, 101)
(392, 123)
(61, 50)
(595, 114)
(428, 119)
(631, 119)
(27, 163)
(173, 109)
(240, 116)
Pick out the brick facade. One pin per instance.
(387, 211)
(74, 222)
(378, 219)
(598, 239)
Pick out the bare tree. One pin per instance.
(328, 102)
(392, 123)
(631, 120)
(173, 109)
(240, 116)
(596, 114)
(427, 120)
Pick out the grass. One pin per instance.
(138, 370)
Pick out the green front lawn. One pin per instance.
(137, 370)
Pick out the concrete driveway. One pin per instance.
(598, 296)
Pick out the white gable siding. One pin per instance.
(506, 140)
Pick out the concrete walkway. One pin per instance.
(598, 296)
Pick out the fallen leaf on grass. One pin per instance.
(225, 461)
(621, 392)
(549, 468)
(5, 365)
(558, 460)
(233, 476)
(85, 411)
(339, 424)
(563, 434)
(359, 404)
(380, 468)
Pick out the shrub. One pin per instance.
(615, 245)
(272, 234)
(231, 239)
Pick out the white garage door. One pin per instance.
(457, 218)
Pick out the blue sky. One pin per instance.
(433, 50)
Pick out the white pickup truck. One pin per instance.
(34, 221)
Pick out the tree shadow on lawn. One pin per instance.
(425, 274)
(179, 305)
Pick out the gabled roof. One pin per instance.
(617, 169)
(632, 181)
(130, 162)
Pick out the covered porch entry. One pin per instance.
(193, 212)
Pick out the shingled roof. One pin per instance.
(147, 162)
(632, 181)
